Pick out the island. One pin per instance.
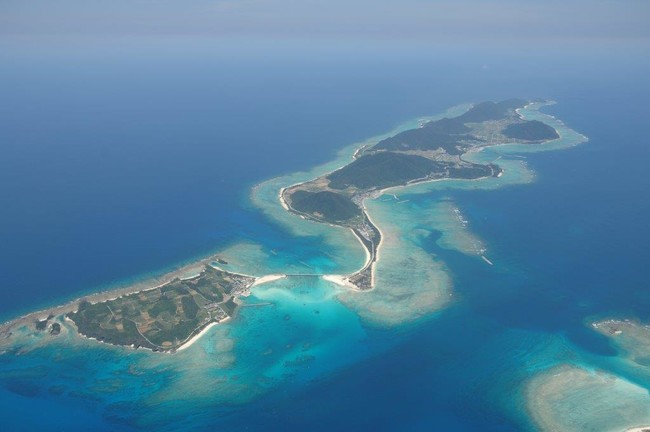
(172, 313)
(433, 151)
(630, 336)
(166, 317)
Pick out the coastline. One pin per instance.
(372, 255)
(281, 198)
(377, 249)
(266, 279)
(191, 341)
(109, 294)
(188, 271)
(340, 280)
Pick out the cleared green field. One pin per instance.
(165, 317)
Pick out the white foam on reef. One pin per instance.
(568, 398)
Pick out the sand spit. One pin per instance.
(267, 279)
(340, 281)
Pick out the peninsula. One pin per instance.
(433, 151)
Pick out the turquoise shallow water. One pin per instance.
(300, 329)
(568, 244)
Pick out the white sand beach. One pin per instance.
(340, 280)
(198, 336)
(267, 279)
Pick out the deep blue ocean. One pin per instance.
(124, 158)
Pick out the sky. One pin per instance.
(440, 20)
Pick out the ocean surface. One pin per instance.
(122, 159)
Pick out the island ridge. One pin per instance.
(433, 151)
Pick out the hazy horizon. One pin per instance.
(436, 21)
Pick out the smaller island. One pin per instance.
(166, 317)
(631, 336)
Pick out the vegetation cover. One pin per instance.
(165, 317)
(532, 130)
(325, 204)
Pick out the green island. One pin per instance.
(432, 151)
(166, 317)
(174, 313)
